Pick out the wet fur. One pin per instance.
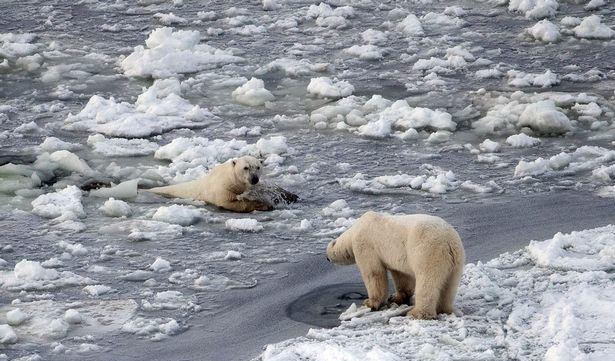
(423, 253)
(222, 186)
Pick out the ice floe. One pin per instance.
(292, 67)
(522, 141)
(168, 53)
(158, 109)
(124, 190)
(327, 17)
(31, 275)
(16, 45)
(143, 230)
(178, 214)
(544, 31)
(120, 147)
(592, 27)
(543, 113)
(154, 328)
(65, 203)
(435, 180)
(252, 93)
(243, 224)
(547, 301)
(583, 159)
(534, 9)
(379, 117)
(522, 79)
(371, 52)
(411, 26)
(328, 88)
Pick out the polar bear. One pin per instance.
(227, 186)
(423, 253)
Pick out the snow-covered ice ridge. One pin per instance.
(552, 300)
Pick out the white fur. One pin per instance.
(222, 186)
(423, 253)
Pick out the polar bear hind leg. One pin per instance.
(426, 297)
(447, 296)
(404, 288)
(430, 283)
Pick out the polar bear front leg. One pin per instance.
(404, 288)
(374, 277)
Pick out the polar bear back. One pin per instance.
(404, 242)
(412, 221)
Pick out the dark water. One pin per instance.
(322, 306)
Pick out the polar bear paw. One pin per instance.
(373, 305)
(400, 298)
(421, 314)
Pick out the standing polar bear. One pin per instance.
(423, 253)
(228, 185)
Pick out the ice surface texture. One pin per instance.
(547, 301)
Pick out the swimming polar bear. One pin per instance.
(229, 186)
(423, 253)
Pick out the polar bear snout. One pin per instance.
(247, 170)
(330, 250)
(338, 253)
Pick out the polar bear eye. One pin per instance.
(245, 168)
(258, 167)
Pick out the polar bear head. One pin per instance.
(339, 251)
(247, 170)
